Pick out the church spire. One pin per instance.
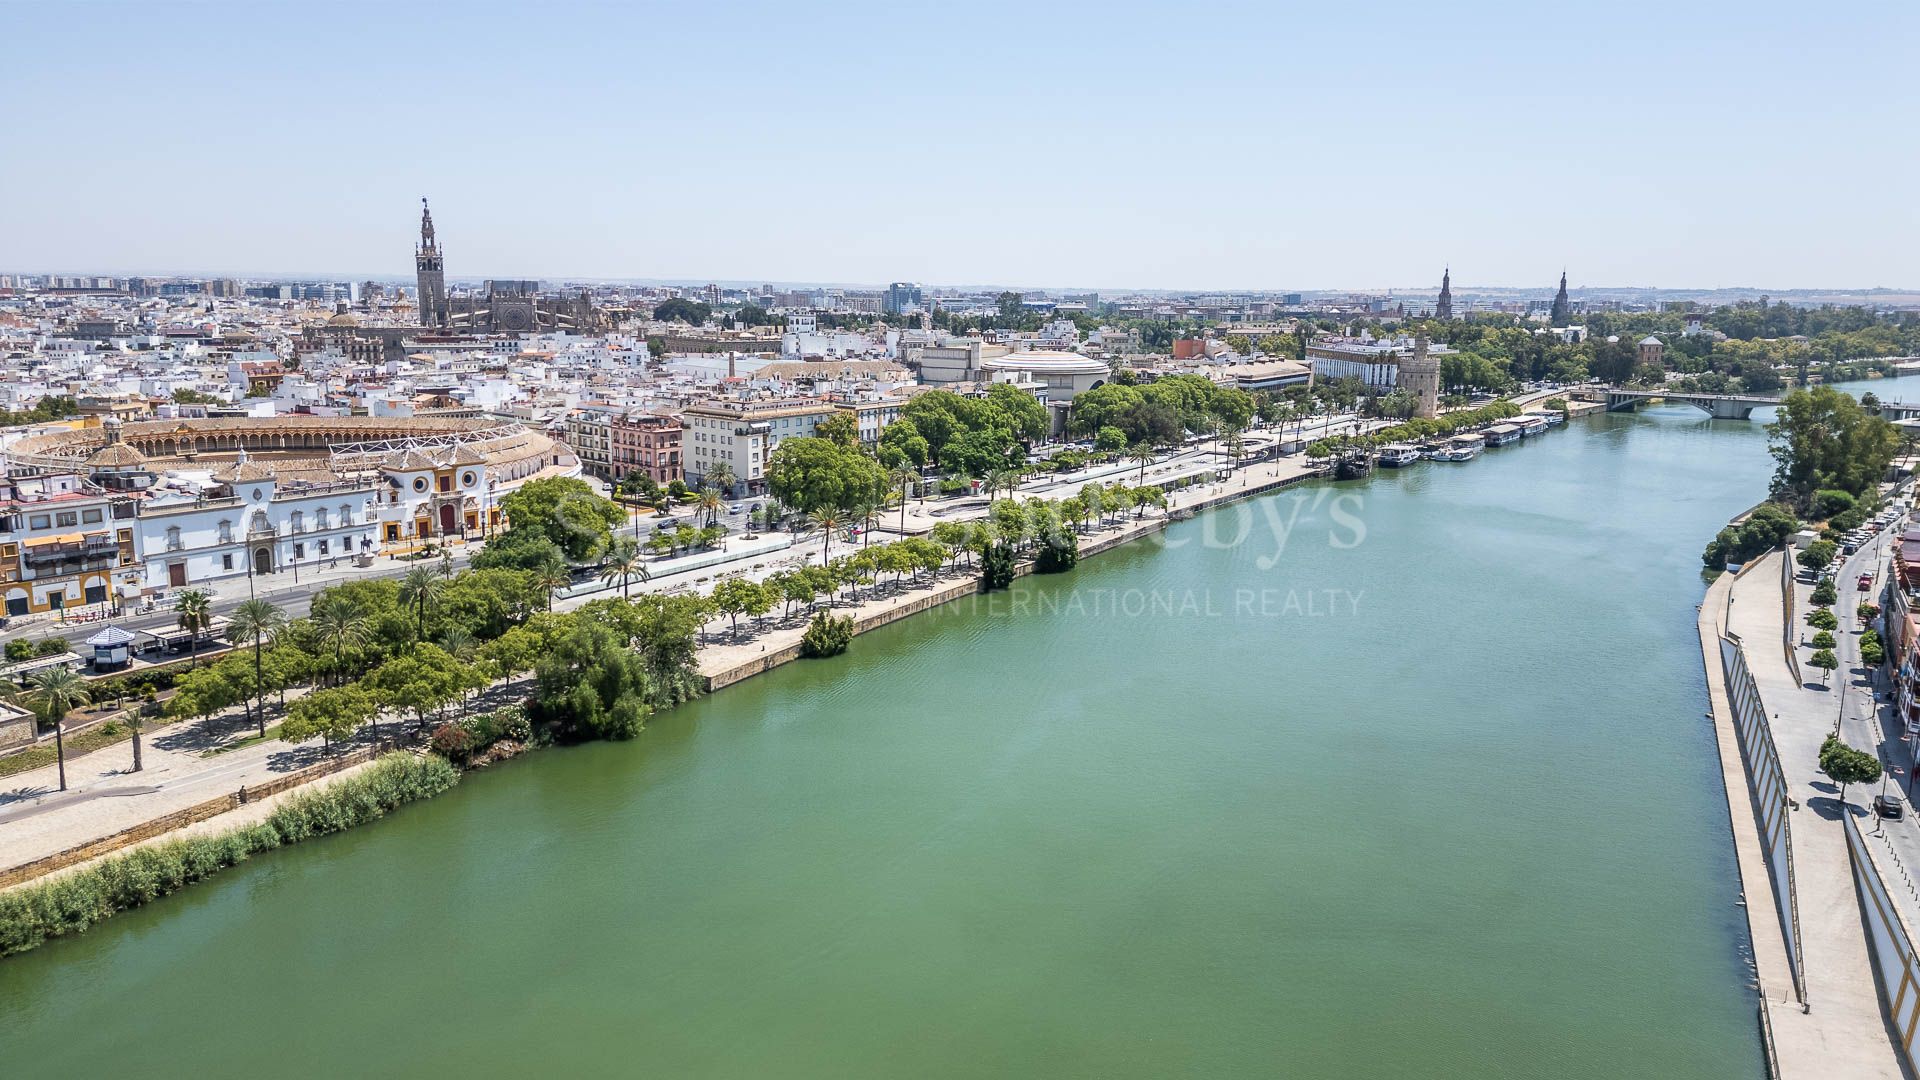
(1562, 313)
(1443, 308)
(426, 225)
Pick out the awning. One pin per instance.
(64, 538)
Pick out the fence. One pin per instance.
(1767, 785)
(1894, 959)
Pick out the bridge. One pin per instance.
(1718, 406)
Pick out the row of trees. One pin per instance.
(1418, 429)
(419, 644)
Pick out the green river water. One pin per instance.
(1431, 795)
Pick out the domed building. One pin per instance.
(1064, 374)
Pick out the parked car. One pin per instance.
(1866, 582)
(1889, 806)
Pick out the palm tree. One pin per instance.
(624, 561)
(56, 690)
(902, 477)
(720, 478)
(422, 589)
(340, 626)
(194, 610)
(551, 576)
(1141, 452)
(711, 504)
(827, 519)
(1001, 478)
(258, 621)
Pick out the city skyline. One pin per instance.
(1132, 151)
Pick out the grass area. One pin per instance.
(97, 738)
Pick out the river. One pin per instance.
(1431, 794)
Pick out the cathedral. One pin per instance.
(504, 307)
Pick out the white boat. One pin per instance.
(1554, 417)
(1460, 448)
(1395, 455)
(1531, 424)
(1501, 434)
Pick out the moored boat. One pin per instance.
(1395, 455)
(1500, 434)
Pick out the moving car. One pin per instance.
(1866, 582)
(1888, 806)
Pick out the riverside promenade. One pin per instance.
(1842, 1032)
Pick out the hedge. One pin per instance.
(68, 904)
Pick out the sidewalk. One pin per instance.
(1844, 1033)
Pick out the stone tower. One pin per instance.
(1443, 307)
(1420, 376)
(1562, 314)
(430, 270)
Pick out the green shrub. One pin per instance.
(511, 722)
(1867, 613)
(73, 902)
(452, 741)
(827, 635)
(19, 649)
(996, 567)
(1058, 552)
(1830, 501)
(52, 646)
(1765, 529)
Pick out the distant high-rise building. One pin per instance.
(1562, 313)
(430, 270)
(1443, 307)
(901, 296)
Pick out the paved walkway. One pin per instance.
(1844, 1034)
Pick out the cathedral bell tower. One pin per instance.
(430, 271)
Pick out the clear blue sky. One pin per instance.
(1199, 145)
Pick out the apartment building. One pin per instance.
(648, 443)
(743, 434)
(62, 540)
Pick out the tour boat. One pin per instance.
(1461, 448)
(1554, 417)
(1501, 434)
(1398, 454)
(1531, 424)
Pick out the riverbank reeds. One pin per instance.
(70, 903)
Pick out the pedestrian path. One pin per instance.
(1843, 1033)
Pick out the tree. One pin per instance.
(839, 428)
(1844, 765)
(54, 692)
(193, 611)
(591, 685)
(997, 568)
(424, 678)
(1825, 594)
(564, 511)
(1817, 555)
(550, 577)
(680, 309)
(710, 503)
(339, 625)
(736, 596)
(333, 714)
(422, 590)
(1826, 662)
(1823, 619)
(260, 622)
(1823, 439)
(1822, 640)
(624, 562)
(827, 635)
(812, 474)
